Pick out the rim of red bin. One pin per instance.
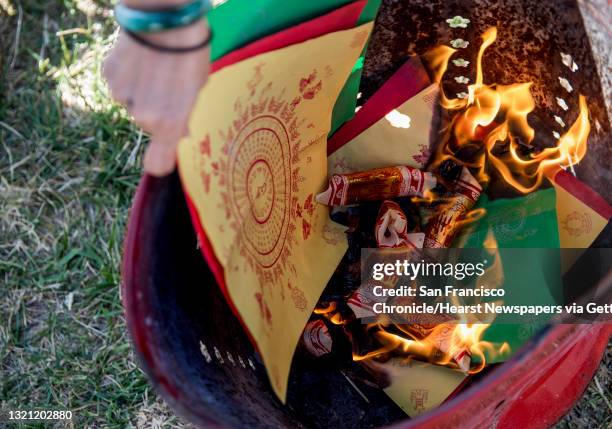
(534, 389)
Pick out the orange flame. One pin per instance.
(490, 118)
(452, 344)
(437, 59)
(326, 309)
(331, 313)
(502, 111)
(456, 345)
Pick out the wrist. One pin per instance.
(182, 40)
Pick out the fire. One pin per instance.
(493, 118)
(331, 313)
(326, 308)
(438, 58)
(456, 345)
(489, 133)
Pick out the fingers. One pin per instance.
(158, 89)
(160, 157)
(118, 71)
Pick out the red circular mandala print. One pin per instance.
(260, 187)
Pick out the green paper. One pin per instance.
(524, 222)
(344, 109)
(530, 278)
(236, 23)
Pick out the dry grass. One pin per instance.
(69, 164)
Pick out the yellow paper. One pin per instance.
(417, 387)
(399, 138)
(579, 225)
(254, 159)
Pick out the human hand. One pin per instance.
(159, 88)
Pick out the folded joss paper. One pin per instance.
(568, 215)
(581, 213)
(234, 28)
(391, 128)
(254, 158)
(417, 387)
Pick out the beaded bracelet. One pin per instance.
(152, 20)
(134, 21)
(168, 49)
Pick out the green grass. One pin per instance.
(69, 164)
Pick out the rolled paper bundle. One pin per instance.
(444, 225)
(428, 329)
(362, 301)
(440, 338)
(435, 330)
(317, 339)
(375, 185)
(391, 229)
(468, 186)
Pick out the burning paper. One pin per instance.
(254, 159)
(569, 215)
(494, 118)
(437, 340)
(442, 227)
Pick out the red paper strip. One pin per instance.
(405, 83)
(583, 193)
(342, 18)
